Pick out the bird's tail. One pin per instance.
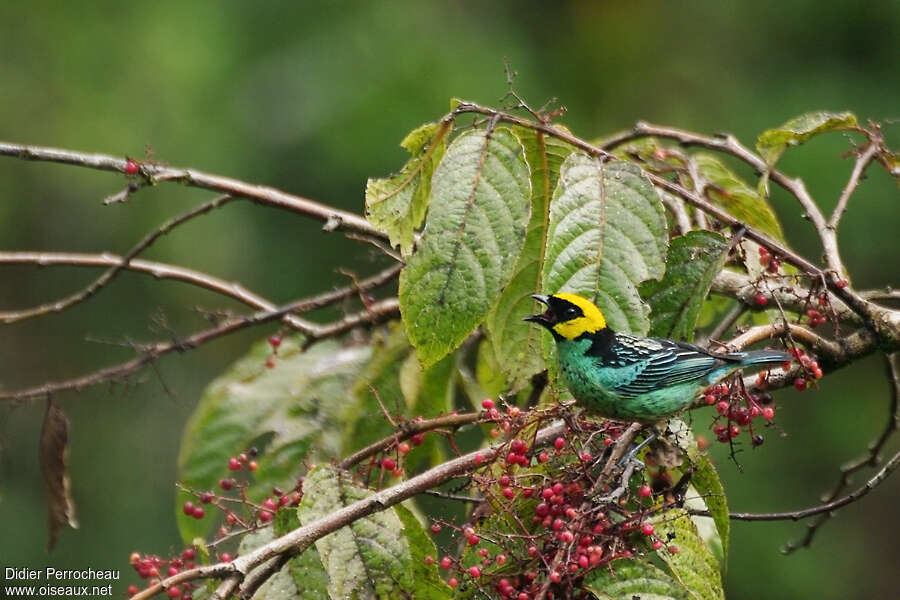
(762, 357)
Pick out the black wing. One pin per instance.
(653, 363)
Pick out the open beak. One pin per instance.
(545, 318)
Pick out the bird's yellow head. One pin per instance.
(568, 315)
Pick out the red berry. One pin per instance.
(518, 447)
(657, 544)
(234, 464)
(734, 431)
(403, 448)
(436, 528)
(131, 167)
(132, 590)
(388, 463)
(417, 439)
(429, 560)
(474, 571)
(473, 540)
(173, 592)
(543, 457)
(763, 251)
(487, 404)
(446, 562)
(500, 559)
(644, 491)
(760, 299)
(586, 456)
(198, 512)
(722, 407)
(709, 399)
(452, 582)
(188, 508)
(607, 442)
(252, 465)
(270, 363)
(508, 493)
(842, 284)
(647, 529)
(674, 549)
(800, 384)
(768, 413)
(275, 341)
(269, 504)
(559, 443)
(206, 497)
(583, 561)
(226, 484)
(189, 554)
(555, 577)
(566, 536)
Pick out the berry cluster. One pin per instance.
(739, 409)
(150, 567)
(565, 532)
(274, 343)
(811, 371)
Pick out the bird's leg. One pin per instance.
(631, 456)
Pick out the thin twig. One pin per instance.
(871, 459)
(336, 219)
(859, 167)
(376, 313)
(95, 286)
(722, 327)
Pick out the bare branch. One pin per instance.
(862, 161)
(871, 459)
(336, 219)
(377, 312)
(95, 286)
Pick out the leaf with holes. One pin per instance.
(772, 143)
(607, 234)
(517, 346)
(630, 579)
(473, 237)
(369, 558)
(397, 204)
(675, 302)
(694, 564)
(290, 412)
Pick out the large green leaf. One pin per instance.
(741, 201)
(429, 585)
(517, 345)
(772, 143)
(708, 485)
(473, 236)
(397, 204)
(694, 565)
(607, 234)
(634, 580)
(694, 260)
(371, 557)
(297, 404)
(379, 386)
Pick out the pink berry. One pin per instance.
(403, 448)
(234, 464)
(474, 571)
(188, 508)
(429, 560)
(446, 562)
(508, 493)
(487, 404)
(452, 582)
(388, 463)
(275, 341)
(760, 299)
(768, 413)
(559, 443)
(131, 167)
(417, 439)
(265, 516)
(644, 491)
(647, 529)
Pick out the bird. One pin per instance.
(630, 378)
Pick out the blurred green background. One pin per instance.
(313, 98)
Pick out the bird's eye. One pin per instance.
(571, 313)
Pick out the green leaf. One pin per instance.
(634, 580)
(307, 571)
(694, 565)
(473, 236)
(371, 557)
(607, 234)
(741, 201)
(364, 418)
(397, 204)
(706, 482)
(694, 260)
(296, 405)
(428, 583)
(517, 346)
(772, 143)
